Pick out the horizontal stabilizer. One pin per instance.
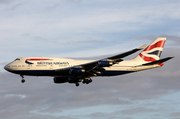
(158, 61)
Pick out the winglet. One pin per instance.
(143, 46)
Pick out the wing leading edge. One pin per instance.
(97, 66)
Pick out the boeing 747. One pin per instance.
(75, 71)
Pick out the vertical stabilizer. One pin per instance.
(152, 52)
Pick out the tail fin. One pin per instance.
(153, 51)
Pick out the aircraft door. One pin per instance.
(29, 66)
(51, 65)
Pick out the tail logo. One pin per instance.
(159, 44)
(155, 54)
(147, 59)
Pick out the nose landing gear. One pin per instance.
(22, 81)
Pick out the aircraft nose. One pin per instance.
(6, 67)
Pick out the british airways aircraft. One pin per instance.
(75, 71)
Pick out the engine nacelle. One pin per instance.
(104, 63)
(76, 71)
(61, 79)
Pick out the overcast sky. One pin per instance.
(89, 29)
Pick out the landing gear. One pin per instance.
(76, 80)
(87, 81)
(90, 80)
(77, 84)
(22, 81)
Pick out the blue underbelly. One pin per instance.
(35, 72)
(113, 73)
(54, 73)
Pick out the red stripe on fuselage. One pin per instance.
(36, 59)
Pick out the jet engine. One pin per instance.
(76, 71)
(104, 63)
(61, 79)
(67, 79)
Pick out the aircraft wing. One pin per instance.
(112, 60)
(97, 66)
(117, 57)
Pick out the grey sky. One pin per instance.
(93, 29)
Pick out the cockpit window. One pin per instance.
(16, 59)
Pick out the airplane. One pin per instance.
(74, 71)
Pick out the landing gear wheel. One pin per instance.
(84, 82)
(77, 84)
(87, 81)
(22, 80)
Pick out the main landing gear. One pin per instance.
(85, 81)
(77, 84)
(22, 81)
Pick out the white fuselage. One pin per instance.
(47, 66)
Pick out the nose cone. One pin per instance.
(6, 68)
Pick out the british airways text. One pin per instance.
(51, 63)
